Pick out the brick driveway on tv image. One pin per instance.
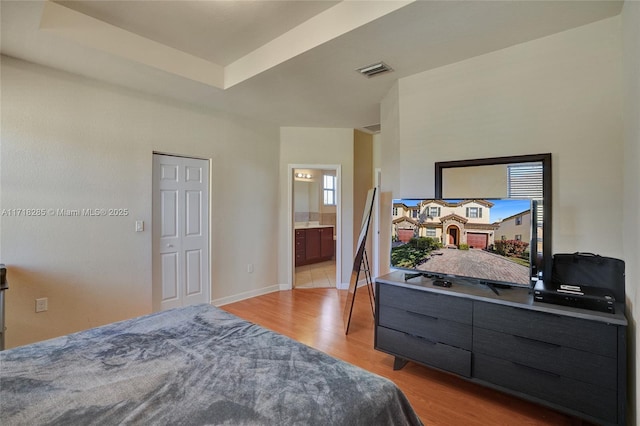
(470, 262)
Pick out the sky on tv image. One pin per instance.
(502, 208)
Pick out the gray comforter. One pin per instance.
(195, 365)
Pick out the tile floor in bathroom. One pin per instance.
(316, 275)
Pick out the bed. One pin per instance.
(190, 366)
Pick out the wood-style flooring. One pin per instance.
(314, 317)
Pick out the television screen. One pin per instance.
(487, 240)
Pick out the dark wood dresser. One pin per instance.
(573, 360)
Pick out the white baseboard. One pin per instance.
(271, 289)
(341, 286)
(246, 295)
(345, 286)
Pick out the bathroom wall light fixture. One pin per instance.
(304, 175)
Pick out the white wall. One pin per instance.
(390, 141)
(559, 94)
(319, 146)
(389, 163)
(631, 204)
(377, 152)
(73, 143)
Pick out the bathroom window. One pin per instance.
(329, 190)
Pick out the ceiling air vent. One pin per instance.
(374, 69)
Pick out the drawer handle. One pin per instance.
(540, 342)
(537, 370)
(422, 315)
(425, 340)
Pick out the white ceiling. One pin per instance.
(219, 31)
(288, 62)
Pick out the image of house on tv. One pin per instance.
(455, 223)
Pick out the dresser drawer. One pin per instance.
(575, 333)
(584, 397)
(431, 328)
(580, 365)
(434, 354)
(436, 305)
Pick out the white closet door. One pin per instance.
(180, 231)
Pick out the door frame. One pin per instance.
(155, 303)
(376, 223)
(456, 238)
(291, 255)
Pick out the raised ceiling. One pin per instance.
(218, 31)
(291, 62)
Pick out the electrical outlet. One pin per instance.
(250, 268)
(42, 304)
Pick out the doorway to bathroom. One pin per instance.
(315, 226)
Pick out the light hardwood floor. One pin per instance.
(314, 317)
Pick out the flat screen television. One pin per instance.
(487, 241)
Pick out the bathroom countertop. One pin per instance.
(311, 225)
